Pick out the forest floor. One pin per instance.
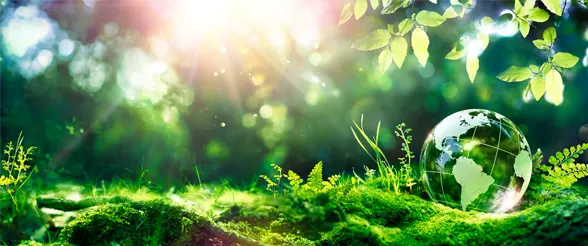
(343, 215)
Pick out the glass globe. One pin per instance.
(476, 160)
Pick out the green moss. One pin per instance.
(385, 208)
(407, 220)
(345, 215)
(155, 222)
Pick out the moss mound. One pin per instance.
(377, 218)
(157, 222)
(344, 216)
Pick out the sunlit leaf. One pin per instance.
(538, 87)
(399, 48)
(392, 6)
(515, 74)
(538, 15)
(524, 27)
(429, 18)
(528, 6)
(405, 26)
(565, 60)
(375, 4)
(374, 40)
(541, 44)
(484, 40)
(384, 60)
(360, 8)
(534, 69)
(346, 13)
(420, 45)
(487, 21)
(472, 65)
(554, 86)
(391, 28)
(554, 6)
(545, 68)
(385, 3)
(450, 13)
(549, 35)
(505, 18)
(517, 6)
(455, 54)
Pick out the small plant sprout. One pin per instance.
(405, 161)
(272, 185)
(392, 177)
(16, 169)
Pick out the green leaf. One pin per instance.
(450, 13)
(549, 35)
(429, 18)
(538, 15)
(524, 27)
(554, 86)
(517, 6)
(538, 87)
(534, 69)
(455, 54)
(515, 74)
(541, 44)
(360, 8)
(565, 60)
(545, 68)
(346, 13)
(505, 18)
(392, 6)
(384, 60)
(528, 6)
(420, 45)
(554, 6)
(399, 48)
(375, 4)
(374, 40)
(472, 65)
(484, 40)
(405, 26)
(385, 3)
(391, 28)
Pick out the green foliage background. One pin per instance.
(204, 118)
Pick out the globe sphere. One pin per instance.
(476, 159)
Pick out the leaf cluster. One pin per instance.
(393, 41)
(545, 79)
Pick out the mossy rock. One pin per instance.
(379, 218)
(155, 222)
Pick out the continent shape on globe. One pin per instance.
(472, 179)
(476, 159)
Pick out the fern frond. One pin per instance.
(294, 179)
(315, 178)
(568, 155)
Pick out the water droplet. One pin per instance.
(222, 124)
(215, 74)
